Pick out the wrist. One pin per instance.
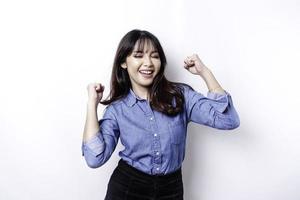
(205, 73)
(92, 104)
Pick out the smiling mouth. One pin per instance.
(146, 72)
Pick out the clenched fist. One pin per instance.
(95, 92)
(194, 65)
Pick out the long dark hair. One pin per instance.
(162, 92)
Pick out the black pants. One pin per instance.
(128, 183)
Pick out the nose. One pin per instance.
(147, 61)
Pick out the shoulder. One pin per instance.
(183, 87)
(111, 109)
(116, 107)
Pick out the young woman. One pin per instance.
(150, 116)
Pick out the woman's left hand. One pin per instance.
(194, 65)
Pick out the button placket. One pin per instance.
(156, 146)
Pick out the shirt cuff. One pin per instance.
(95, 145)
(221, 101)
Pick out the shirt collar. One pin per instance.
(132, 98)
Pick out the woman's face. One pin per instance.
(142, 66)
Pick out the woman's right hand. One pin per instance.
(95, 93)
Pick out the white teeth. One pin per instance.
(146, 72)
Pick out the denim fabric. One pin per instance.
(128, 183)
(154, 142)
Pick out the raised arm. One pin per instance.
(99, 148)
(216, 110)
(99, 137)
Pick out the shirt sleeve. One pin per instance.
(98, 149)
(216, 110)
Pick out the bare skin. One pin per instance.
(95, 94)
(195, 66)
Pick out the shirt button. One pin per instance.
(151, 118)
(157, 153)
(157, 168)
(155, 134)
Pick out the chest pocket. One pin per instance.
(177, 132)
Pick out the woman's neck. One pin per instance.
(141, 92)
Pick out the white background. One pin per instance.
(51, 50)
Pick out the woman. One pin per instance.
(150, 115)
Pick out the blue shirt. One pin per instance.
(155, 142)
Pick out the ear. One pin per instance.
(124, 66)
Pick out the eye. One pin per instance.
(138, 56)
(156, 56)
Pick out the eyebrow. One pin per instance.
(143, 52)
